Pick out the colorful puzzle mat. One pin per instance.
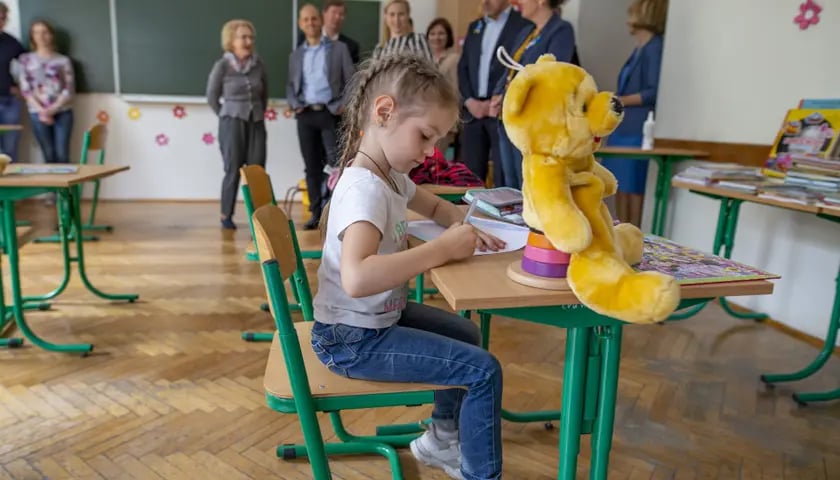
(691, 266)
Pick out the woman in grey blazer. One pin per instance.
(237, 91)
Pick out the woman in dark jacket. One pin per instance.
(239, 78)
(548, 34)
(638, 83)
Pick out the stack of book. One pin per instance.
(502, 203)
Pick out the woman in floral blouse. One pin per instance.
(46, 82)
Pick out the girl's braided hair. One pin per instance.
(412, 80)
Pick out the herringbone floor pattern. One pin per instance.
(172, 392)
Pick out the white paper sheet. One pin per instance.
(514, 236)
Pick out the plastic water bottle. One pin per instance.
(647, 132)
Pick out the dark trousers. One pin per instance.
(54, 139)
(318, 138)
(480, 143)
(10, 114)
(242, 143)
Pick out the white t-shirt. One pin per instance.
(361, 196)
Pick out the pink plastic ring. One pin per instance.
(546, 256)
(549, 270)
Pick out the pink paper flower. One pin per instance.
(179, 111)
(208, 138)
(162, 140)
(271, 114)
(103, 116)
(809, 14)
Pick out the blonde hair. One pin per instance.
(650, 15)
(386, 32)
(412, 80)
(229, 31)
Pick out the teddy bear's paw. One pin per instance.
(630, 241)
(651, 297)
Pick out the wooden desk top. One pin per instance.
(85, 173)
(749, 197)
(669, 152)
(481, 282)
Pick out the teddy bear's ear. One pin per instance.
(517, 93)
(546, 58)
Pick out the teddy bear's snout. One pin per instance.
(616, 105)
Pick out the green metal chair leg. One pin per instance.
(290, 452)
(396, 441)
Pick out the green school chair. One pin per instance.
(297, 382)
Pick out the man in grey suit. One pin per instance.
(319, 69)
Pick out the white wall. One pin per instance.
(730, 72)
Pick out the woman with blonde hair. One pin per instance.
(638, 83)
(399, 34)
(237, 91)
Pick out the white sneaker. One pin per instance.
(439, 450)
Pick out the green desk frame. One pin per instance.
(664, 171)
(725, 240)
(70, 226)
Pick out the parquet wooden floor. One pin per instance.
(172, 392)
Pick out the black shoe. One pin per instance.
(227, 224)
(312, 223)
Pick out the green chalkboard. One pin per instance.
(83, 33)
(167, 47)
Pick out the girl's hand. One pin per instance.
(459, 241)
(485, 241)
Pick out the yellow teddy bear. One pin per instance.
(554, 114)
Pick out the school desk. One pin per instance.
(15, 187)
(665, 158)
(730, 204)
(593, 344)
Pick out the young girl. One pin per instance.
(398, 108)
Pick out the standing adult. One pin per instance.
(399, 35)
(334, 12)
(547, 33)
(638, 83)
(239, 80)
(319, 69)
(441, 43)
(478, 72)
(48, 86)
(10, 107)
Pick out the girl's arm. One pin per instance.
(68, 91)
(447, 214)
(365, 273)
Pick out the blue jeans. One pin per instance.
(54, 139)
(432, 346)
(511, 160)
(10, 115)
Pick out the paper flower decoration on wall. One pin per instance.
(134, 113)
(809, 14)
(271, 114)
(103, 116)
(179, 111)
(208, 138)
(162, 140)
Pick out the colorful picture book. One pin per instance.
(690, 266)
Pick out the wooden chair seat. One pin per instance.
(323, 382)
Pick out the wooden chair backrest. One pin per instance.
(259, 185)
(274, 238)
(96, 135)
